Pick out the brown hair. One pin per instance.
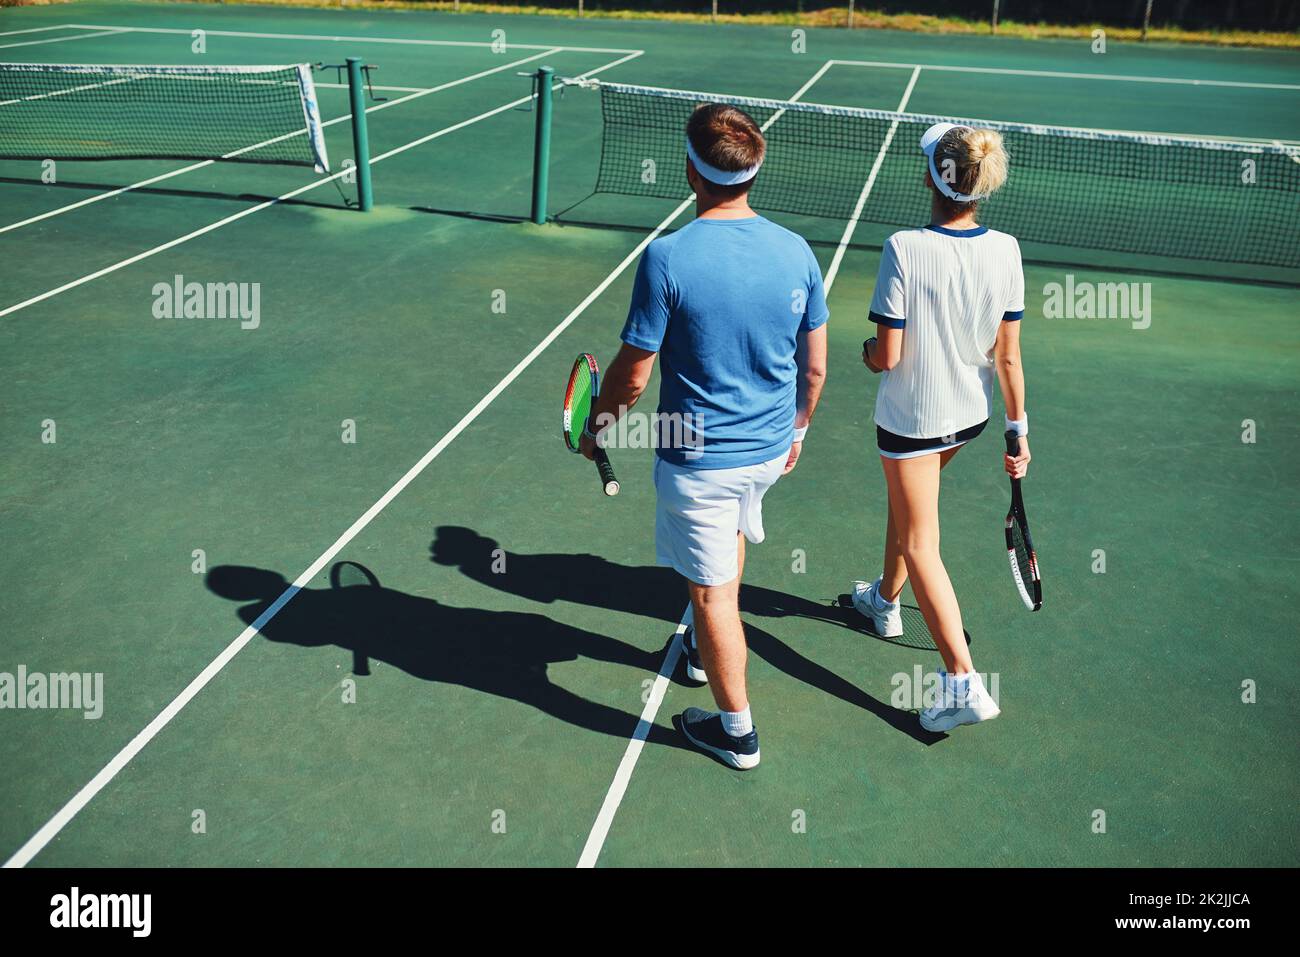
(979, 161)
(726, 137)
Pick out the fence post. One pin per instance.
(995, 16)
(1146, 20)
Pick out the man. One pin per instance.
(735, 305)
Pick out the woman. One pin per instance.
(947, 304)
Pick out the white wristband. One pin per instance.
(1020, 426)
(800, 433)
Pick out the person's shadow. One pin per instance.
(500, 653)
(652, 591)
(658, 592)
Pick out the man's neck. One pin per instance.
(728, 209)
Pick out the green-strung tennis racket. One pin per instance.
(584, 387)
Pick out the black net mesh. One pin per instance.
(1134, 193)
(248, 114)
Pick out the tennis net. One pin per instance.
(252, 114)
(1202, 199)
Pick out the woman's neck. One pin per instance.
(939, 216)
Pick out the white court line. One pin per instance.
(1180, 81)
(852, 224)
(80, 36)
(618, 786)
(342, 39)
(1294, 154)
(60, 26)
(65, 814)
(338, 119)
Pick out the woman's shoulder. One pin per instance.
(1003, 237)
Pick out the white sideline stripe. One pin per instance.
(338, 119)
(861, 204)
(1006, 71)
(37, 30)
(79, 36)
(344, 39)
(618, 787)
(65, 814)
(60, 26)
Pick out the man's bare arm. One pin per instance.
(620, 387)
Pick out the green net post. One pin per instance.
(360, 138)
(542, 144)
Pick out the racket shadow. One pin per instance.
(916, 633)
(506, 654)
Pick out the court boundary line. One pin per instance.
(1058, 74)
(852, 225)
(401, 41)
(595, 842)
(61, 818)
(14, 33)
(415, 94)
(107, 32)
(623, 774)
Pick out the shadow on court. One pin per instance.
(660, 593)
(499, 653)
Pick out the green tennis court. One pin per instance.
(352, 604)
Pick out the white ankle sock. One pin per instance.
(879, 600)
(737, 723)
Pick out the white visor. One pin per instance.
(720, 177)
(929, 140)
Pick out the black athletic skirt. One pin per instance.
(892, 444)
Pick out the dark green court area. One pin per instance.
(459, 677)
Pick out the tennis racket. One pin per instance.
(1020, 547)
(584, 387)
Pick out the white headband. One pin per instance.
(929, 141)
(720, 177)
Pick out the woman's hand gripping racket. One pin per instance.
(1020, 547)
(584, 387)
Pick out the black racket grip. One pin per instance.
(1013, 443)
(606, 472)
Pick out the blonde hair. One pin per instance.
(979, 159)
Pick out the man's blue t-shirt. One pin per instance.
(723, 302)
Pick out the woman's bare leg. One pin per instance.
(914, 505)
(894, 576)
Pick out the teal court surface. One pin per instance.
(352, 604)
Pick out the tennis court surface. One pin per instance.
(341, 598)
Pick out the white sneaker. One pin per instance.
(962, 700)
(887, 622)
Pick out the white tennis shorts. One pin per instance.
(699, 512)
